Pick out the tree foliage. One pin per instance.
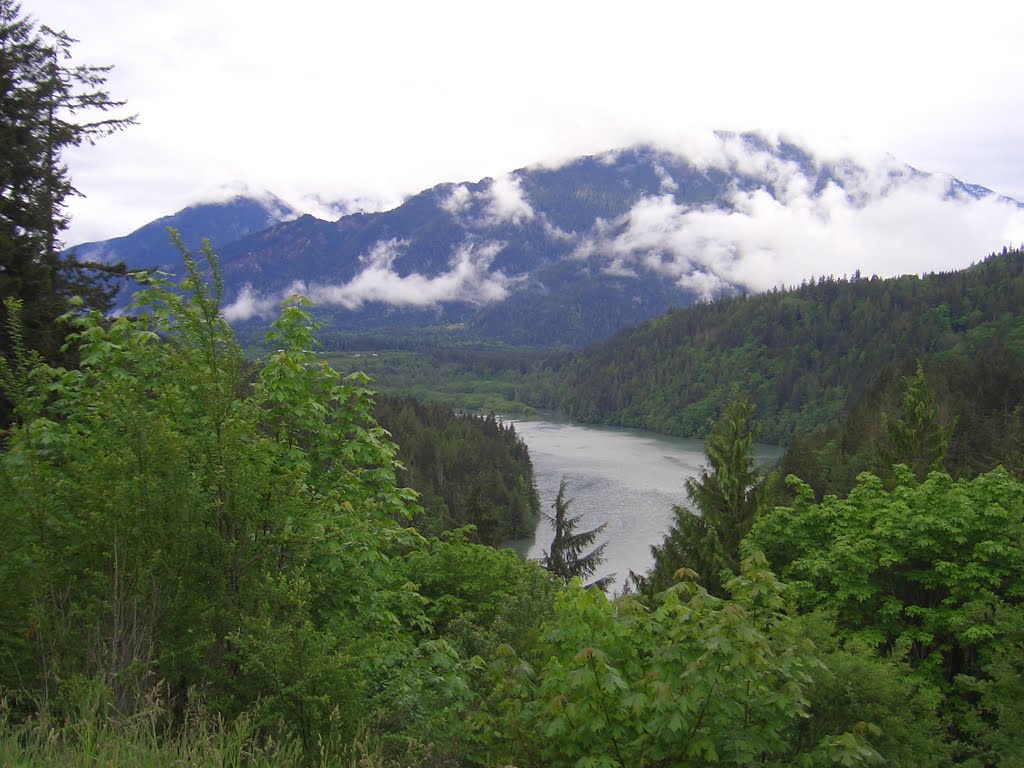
(914, 437)
(964, 415)
(691, 680)
(800, 353)
(568, 557)
(46, 106)
(930, 572)
(727, 495)
(467, 469)
(172, 514)
(166, 521)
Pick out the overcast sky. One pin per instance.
(376, 100)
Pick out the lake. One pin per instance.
(627, 478)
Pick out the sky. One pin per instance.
(374, 101)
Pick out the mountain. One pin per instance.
(220, 222)
(568, 255)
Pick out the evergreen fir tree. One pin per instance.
(727, 496)
(566, 558)
(915, 438)
(46, 106)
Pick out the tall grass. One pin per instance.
(87, 731)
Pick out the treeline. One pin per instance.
(467, 469)
(496, 378)
(977, 397)
(801, 353)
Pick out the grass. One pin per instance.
(89, 734)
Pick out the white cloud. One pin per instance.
(888, 221)
(668, 184)
(938, 89)
(458, 201)
(468, 279)
(507, 201)
(555, 232)
(502, 201)
(249, 304)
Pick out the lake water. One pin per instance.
(626, 478)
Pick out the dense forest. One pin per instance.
(212, 567)
(977, 402)
(800, 353)
(467, 469)
(823, 364)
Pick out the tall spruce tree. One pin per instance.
(727, 495)
(46, 106)
(914, 437)
(568, 558)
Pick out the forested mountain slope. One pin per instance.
(467, 469)
(799, 353)
(974, 410)
(220, 222)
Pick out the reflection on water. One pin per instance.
(626, 478)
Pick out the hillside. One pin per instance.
(220, 222)
(799, 353)
(467, 469)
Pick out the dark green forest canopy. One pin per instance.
(467, 469)
(799, 354)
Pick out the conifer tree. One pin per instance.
(915, 438)
(46, 106)
(566, 558)
(727, 496)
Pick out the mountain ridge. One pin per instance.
(566, 255)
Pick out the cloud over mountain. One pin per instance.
(500, 201)
(756, 240)
(469, 279)
(572, 252)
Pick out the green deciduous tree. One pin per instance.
(165, 519)
(931, 572)
(689, 680)
(727, 495)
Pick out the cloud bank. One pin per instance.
(786, 217)
(469, 279)
(885, 219)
